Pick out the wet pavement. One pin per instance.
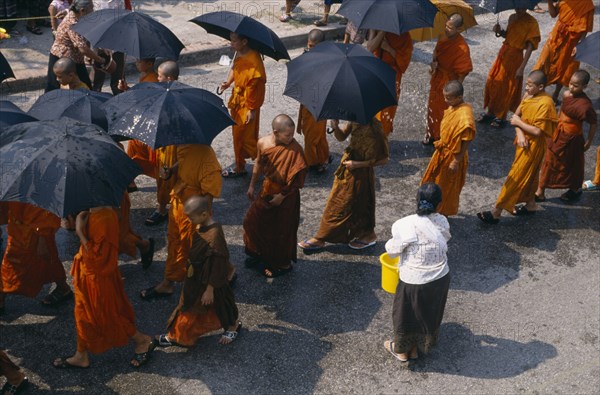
(523, 312)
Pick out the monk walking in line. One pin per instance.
(534, 121)
(449, 163)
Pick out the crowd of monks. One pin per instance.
(189, 177)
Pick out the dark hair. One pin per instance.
(429, 197)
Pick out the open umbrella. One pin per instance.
(497, 6)
(260, 37)
(446, 8)
(341, 81)
(10, 115)
(5, 70)
(81, 104)
(167, 113)
(63, 166)
(588, 50)
(393, 16)
(131, 32)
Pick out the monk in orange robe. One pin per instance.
(451, 61)
(197, 172)
(395, 50)
(448, 165)
(65, 70)
(316, 147)
(563, 165)
(31, 257)
(16, 381)
(534, 121)
(104, 317)
(207, 302)
(505, 80)
(129, 241)
(248, 77)
(557, 58)
(271, 223)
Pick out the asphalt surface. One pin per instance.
(523, 312)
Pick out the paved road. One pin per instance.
(523, 313)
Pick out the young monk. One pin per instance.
(564, 162)
(65, 70)
(249, 78)
(16, 381)
(31, 256)
(196, 173)
(505, 80)
(316, 147)
(395, 50)
(448, 165)
(104, 318)
(594, 185)
(557, 58)
(534, 121)
(165, 157)
(207, 302)
(271, 223)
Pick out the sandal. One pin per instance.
(488, 217)
(540, 199)
(229, 336)
(272, 273)
(497, 123)
(285, 18)
(484, 117)
(35, 30)
(142, 358)
(152, 293)
(320, 23)
(361, 245)
(570, 196)
(62, 363)
(307, 246)
(231, 173)
(148, 256)
(163, 341)
(522, 211)
(54, 298)
(389, 346)
(9, 389)
(251, 262)
(590, 186)
(156, 218)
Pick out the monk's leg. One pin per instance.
(80, 358)
(14, 375)
(238, 147)
(143, 344)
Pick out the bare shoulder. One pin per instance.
(266, 142)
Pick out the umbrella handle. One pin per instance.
(219, 91)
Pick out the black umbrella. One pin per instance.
(81, 104)
(394, 16)
(260, 37)
(5, 70)
(167, 113)
(131, 32)
(341, 81)
(497, 6)
(588, 51)
(10, 115)
(63, 166)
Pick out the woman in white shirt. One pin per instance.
(421, 242)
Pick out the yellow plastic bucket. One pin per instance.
(389, 272)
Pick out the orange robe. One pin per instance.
(523, 177)
(596, 180)
(316, 147)
(503, 88)
(403, 46)
(165, 156)
(249, 79)
(575, 19)
(128, 239)
(31, 257)
(457, 127)
(199, 173)
(104, 317)
(454, 60)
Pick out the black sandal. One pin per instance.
(497, 123)
(522, 210)
(152, 293)
(9, 389)
(484, 117)
(156, 218)
(35, 30)
(143, 357)
(62, 363)
(488, 218)
(232, 173)
(54, 298)
(272, 273)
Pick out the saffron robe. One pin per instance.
(596, 180)
(403, 46)
(270, 232)
(208, 264)
(454, 60)
(523, 177)
(31, 257)
(350, 209)
(457, 128)
(575, 19)
(563, 165)
(104, 317)
(199, 173)
(128, 239)
(503, 88)
(249, 79)
(316, 147)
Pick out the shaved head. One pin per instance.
(316, 36)
(454, 88)
(538, 77)
(582, 76)
(457, 20)
(65, 66)
(197, 204)
(169, 69)
(282, 123)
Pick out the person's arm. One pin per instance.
(255, 171)
(528, 51)
(228, 82)
(590, 137)
(388, 48)
(464, 146)
(53, 19)
(80, 225)
(375, 39)
(552, 9)
(339, 133)
(208, 296)
(525, 127)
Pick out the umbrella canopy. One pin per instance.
(10, 115)
(497, 6)
(260, 37)
(588, 50)
(81, 104)
(5, 70)
(63, 166)
(446, 8)
(341, 81)
(134, 33)
(393, 16)
(167, 113)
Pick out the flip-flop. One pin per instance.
(521, 211)
(272, 273)
(163, 341)
(389, 346)
(232, 335)
(590, 186)
(54, 298)
(488, 217)
(151, 293)
(231, 173)
(62, 363)
(363, 244)
(497, 123)
(306, 246)
(142, 358)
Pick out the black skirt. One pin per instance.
(417, 314)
